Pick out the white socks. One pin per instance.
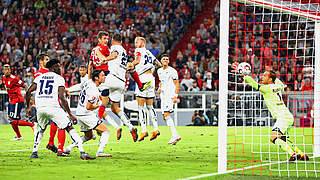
(37, 139)
(112, 122)
(76, 138)
(83, 139)
(125, 120)
(142, 118)
(103, 141)
(153, 116)
(170, 124)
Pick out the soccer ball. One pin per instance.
(244, 68)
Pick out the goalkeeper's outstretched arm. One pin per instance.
(252, 82)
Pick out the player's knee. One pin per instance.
(105, 92)
(13, 122)
(149, 107)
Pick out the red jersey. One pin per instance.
(13, 84)
(40, 71)
(96, 61)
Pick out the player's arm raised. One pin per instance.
(65, 104)
(32, 88)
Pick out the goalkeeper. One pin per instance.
(271, 88)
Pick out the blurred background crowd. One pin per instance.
(187, 29)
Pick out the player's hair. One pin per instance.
(102, 33)
(83, 66)
(117, 37)
(164, 55)
(95, 74)
(142, 39)
(52, 62)
(41, 56)
(273, 75)
(6, 65)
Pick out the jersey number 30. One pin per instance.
(48, 88)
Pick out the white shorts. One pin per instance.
(149, 92)
(56, 114)
(283, 123)
(166, 105)
(88, 122)
(116, 87)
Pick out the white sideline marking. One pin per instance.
(22, 150)
(235, 170)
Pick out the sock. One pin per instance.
(153, 116)
(76, 138)
(102, 108)
(124, 118)
(25, 123)
(61, 139)
(142, 118)
(103, 141)
(284, 146)
(296, 149)
(37, 139)
(14, 125)
(170, 124)
(136, 78)
(53, 131)
(112, 122)
(83, 139)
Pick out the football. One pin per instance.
(244, 68)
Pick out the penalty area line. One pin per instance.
(23, 150)
(235, 170)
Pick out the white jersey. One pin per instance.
(47, 94)
(166, 77)
(89, 93)
(146, 61)
(84, 78)
(117, 66)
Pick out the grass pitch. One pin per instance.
(195, 154)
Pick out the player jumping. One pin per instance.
(271, 89)
(16, 101)
(144, 64)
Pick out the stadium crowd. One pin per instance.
(67, 30)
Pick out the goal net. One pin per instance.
(279, 35)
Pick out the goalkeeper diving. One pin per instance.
(271, 88)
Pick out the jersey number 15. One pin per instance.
(48, 87)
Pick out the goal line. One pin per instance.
(235, 170)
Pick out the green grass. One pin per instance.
(195, 154)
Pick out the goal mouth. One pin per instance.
(306, 8)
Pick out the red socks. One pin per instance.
(136, 78)
(14, 125)
(102, 108)
(61, 139)
(53, 131)
(25, 123)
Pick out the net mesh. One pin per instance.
(268, 38)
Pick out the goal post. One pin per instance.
(223, 86)
(277, 33)
(316, 150)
